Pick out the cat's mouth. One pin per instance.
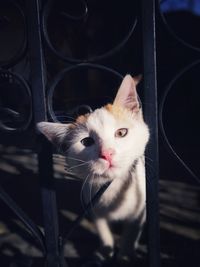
(103, 167)
(107, 163)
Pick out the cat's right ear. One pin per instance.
(127, 95)
(54, 132)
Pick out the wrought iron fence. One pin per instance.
(51, 62)
(39, 44)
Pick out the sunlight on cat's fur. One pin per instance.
(109, 144)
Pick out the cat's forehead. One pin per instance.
(108, 116)
(100, 118)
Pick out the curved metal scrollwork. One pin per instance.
(15, 93)
(162, 128)
(13, 33)
(173, 26)
(14, 119)
(164, 7)
(78, 64)
(15, 102)
(81, 18)
(63, 73)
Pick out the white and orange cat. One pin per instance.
(109, 144)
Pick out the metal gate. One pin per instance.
(49, 61)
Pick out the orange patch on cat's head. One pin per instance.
(82, 118)
(119, 112)
(79, 120)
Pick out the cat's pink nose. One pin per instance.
(107, 154)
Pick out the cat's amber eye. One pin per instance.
(87, 141)
(121, 132)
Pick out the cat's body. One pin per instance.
(109, 145)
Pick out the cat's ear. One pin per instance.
(127, 94)
(54, 132)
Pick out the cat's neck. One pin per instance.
(116, 192)
(119, 180)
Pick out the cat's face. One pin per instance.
(106, 142)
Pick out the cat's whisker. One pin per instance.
(58, 156)
(61, 158)
(78, 165)
(75, 159)
(81, 193)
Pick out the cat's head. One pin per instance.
(106, 142)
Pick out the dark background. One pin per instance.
(100, 37)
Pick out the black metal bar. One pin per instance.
(36, 60)
(151, 118)
(53, 258)
(30, 225)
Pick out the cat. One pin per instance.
(108, 144)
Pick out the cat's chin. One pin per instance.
(107, 174)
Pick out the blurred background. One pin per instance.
(97, 33)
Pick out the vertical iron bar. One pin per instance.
(151, 118)
(45, 163)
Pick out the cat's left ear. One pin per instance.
(127, 94)
(54, 132)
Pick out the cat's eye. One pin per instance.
(87, 141)
(121, 132)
